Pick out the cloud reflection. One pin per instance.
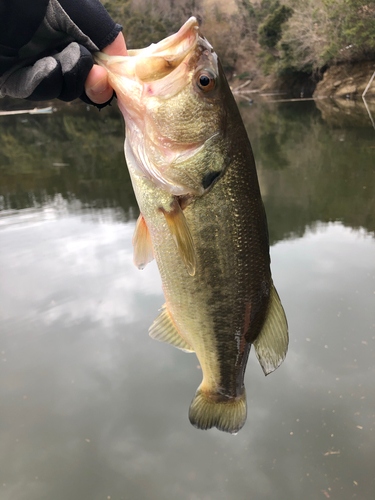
(94, 408)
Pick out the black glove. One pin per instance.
(46, 46)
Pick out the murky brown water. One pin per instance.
(91, 408)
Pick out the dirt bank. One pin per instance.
(347, 80)
(338, 81)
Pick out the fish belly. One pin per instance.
(215, 310)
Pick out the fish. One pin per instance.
(201, 217)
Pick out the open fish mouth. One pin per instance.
(147, 81)
(158, 60)
(177, 43)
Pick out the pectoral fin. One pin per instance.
(181, 235)
(143, 252)
(271, 344)
(164, 330)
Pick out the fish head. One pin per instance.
(172, 95)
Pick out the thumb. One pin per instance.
(97, 87)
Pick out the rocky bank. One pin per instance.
(347, 80)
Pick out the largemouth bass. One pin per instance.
(202, 217)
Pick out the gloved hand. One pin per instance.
(46, 46)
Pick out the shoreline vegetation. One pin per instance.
(320, 47)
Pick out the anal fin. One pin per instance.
(181, 235)
(271, 345)
(164, 330)
(143, 252)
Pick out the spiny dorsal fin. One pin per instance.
(143, 252)
(271, 344)
(164, 330)
(181, 235)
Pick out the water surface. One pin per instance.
(92, 408)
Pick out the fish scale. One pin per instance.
(195, 181)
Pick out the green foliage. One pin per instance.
(294, 36)
(141, 31)
(356, 27)
(146, 22)
(268, 62)
(270, 32)
(248, 7)
(243, 76)
(265, 8)
(325, 32)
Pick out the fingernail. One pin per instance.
(100, 86)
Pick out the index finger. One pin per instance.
(117, 47)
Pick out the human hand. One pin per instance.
(46, 49)
(97, 87)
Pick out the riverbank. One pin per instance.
(347, 80)
(343, 80)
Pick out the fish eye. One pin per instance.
(205, 81)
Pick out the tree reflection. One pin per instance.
(309, 170)
(76, 152)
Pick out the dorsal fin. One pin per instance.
(181, 235)
(164, 330)
(143, 252)
(271, 344)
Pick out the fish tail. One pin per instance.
(212, 410)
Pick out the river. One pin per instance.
(92, 409)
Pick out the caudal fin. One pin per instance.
(207, 410)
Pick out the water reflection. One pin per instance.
(346, 112)
(307, 169)
(92, 408)
(317, 172)
(75, 153)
